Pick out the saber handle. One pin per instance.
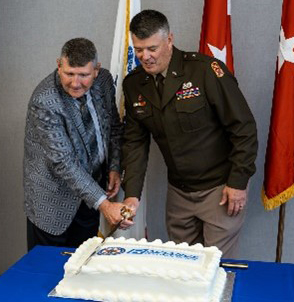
(65, 253)
(234, 265)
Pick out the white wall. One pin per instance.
(31, 35)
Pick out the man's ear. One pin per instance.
(170, 39)
(58, 61)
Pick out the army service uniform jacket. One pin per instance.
(202, 125)
(57, 159)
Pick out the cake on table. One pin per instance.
(127, 270)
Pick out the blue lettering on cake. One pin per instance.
(137, 251)
(162, 253)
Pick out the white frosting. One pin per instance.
(126, 270)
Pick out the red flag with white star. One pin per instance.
(215, 38)
(279, 160)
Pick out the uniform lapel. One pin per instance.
(149, 90)
(174, 78)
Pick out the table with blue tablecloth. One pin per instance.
(38, 272)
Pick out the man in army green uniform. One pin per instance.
(204, 129)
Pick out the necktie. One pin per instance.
(160, 85)
(89, 126)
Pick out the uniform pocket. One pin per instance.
(191, 113)
(145, 115)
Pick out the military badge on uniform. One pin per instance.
(140, 103)
(187, 85)
(187, 92)
(217, 69)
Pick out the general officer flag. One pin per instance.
(279, 161)
(215, 38)
(123, 60)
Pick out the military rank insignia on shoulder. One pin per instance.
(190, 56)
(217, 69)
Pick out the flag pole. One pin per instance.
(280, 236)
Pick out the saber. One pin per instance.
(126, 213)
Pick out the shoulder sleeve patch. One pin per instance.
(217, 69)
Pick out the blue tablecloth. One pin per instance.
(39, 271)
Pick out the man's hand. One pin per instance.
(114, 184)
(131, 203)
(111, 211)
(236, 200)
